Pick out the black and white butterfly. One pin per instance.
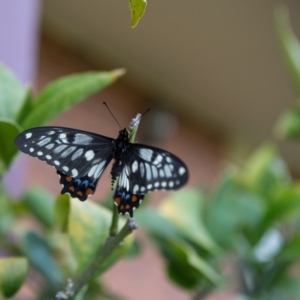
(80, 158)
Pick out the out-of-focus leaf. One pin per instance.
(265, 171)
(184, 209)
(137, 8)
(8, 131)
(63, 93)
(61, 212)
(88, 229)
(40, 257)
(156, 224)
(231, 209)
(290, 252)
(41, 205)
(12, 95)
(13, 273)
(289, 44)
(285, 207)
(184, 260)
(28, 104)
(288, 125)
(135, 249)
(81, 294)
(176, 251)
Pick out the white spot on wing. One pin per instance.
(50, 146)
(62, 136)
(40, 153)
(28, 135)
(168, 159)
(44, 142)
(135, 189)
(158, 159)
(161, 173)
(74, 172)
(143, 189)
(146, 154)
(48, 156)
(31, 150)
(167, 171)
(77, 154)
(156, 184)
(181, 170)
(134, 166)
(148, 172)
(65, 168)
(60, 148)
(154, 172)
(163, 184)
(67, 151)
(149, 186)
(171, 184)
(142, 169)
(82, 139)
(56, 162)
(89, 155)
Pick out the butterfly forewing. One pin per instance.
(148, 168)
(72, 152)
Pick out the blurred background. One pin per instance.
(211, 72)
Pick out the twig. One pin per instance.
(110, 245)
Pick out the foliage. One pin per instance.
(250, 221)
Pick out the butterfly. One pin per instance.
(80, 158)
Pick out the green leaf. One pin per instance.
(178, 253)
(40, 257)
(28, 104)
(188, 218)
(8, 131)
(265, 171)
(13, 273)
(156, 224)
(12, 95)
(61, 212)
(195, 269)
(41, 205)
(137, 8)
(62, 94)
(289, 44)
(231, 209)
(285, 206)
(88, 229)
(288, 125)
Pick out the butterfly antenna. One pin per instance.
(112, 114)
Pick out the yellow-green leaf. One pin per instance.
(13, 272)
(137, 8)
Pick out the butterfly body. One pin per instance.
(80, 158)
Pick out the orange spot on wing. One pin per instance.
(71, 188)
(134, 198)
(69, 178)
(79, 193)
(122, 207)
(89, 191)
(117, 201)
(127, 206)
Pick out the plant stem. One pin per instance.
(110, 245)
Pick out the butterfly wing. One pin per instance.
(147, 169)
(80, 157)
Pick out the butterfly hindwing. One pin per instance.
(146, 169)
